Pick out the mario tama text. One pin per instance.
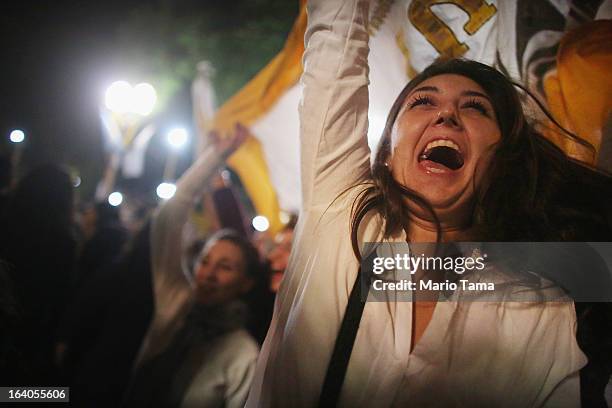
(407, 285)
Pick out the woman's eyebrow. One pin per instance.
(475, 93)
(425, 89)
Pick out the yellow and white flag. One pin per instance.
(519, 37)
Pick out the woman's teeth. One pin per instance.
(441, 142)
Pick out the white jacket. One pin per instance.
(472, 354)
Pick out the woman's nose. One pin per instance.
(448, 117)
(206, 273)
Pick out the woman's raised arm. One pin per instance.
(170, 285)
(334, 107)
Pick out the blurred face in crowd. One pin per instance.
(441, 140)
(220, 274)
(279, 257)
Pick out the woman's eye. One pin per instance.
(421, 100)
(477, 105)
(225, 267)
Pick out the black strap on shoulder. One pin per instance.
(336, 370)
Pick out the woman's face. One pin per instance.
(442, 135)
(220, 274)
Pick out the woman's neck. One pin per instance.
(420, 230)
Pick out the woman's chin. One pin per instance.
(449, 202)
(440, 195)
(207, 299)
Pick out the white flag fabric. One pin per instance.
(134, 157)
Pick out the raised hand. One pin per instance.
(227, 145)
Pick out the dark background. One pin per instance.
(58, 58)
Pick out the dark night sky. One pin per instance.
(57, 59)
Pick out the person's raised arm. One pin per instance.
(170, 285)
(334, 107)
(171, 217)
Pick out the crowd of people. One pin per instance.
(163, 316)
(115, 314)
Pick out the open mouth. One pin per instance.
(444, 152)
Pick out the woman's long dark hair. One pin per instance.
(531, 190)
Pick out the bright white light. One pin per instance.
(115, 199)
(17, 136)
(177, 137)
(76, 182)
(166, 190)
(143, 99)
(261, 223)
(119, 97)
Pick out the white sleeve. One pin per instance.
(334, 106)
(168, 222)
(334, 150)
(240, 378)
(566, 394)
(172, 292)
